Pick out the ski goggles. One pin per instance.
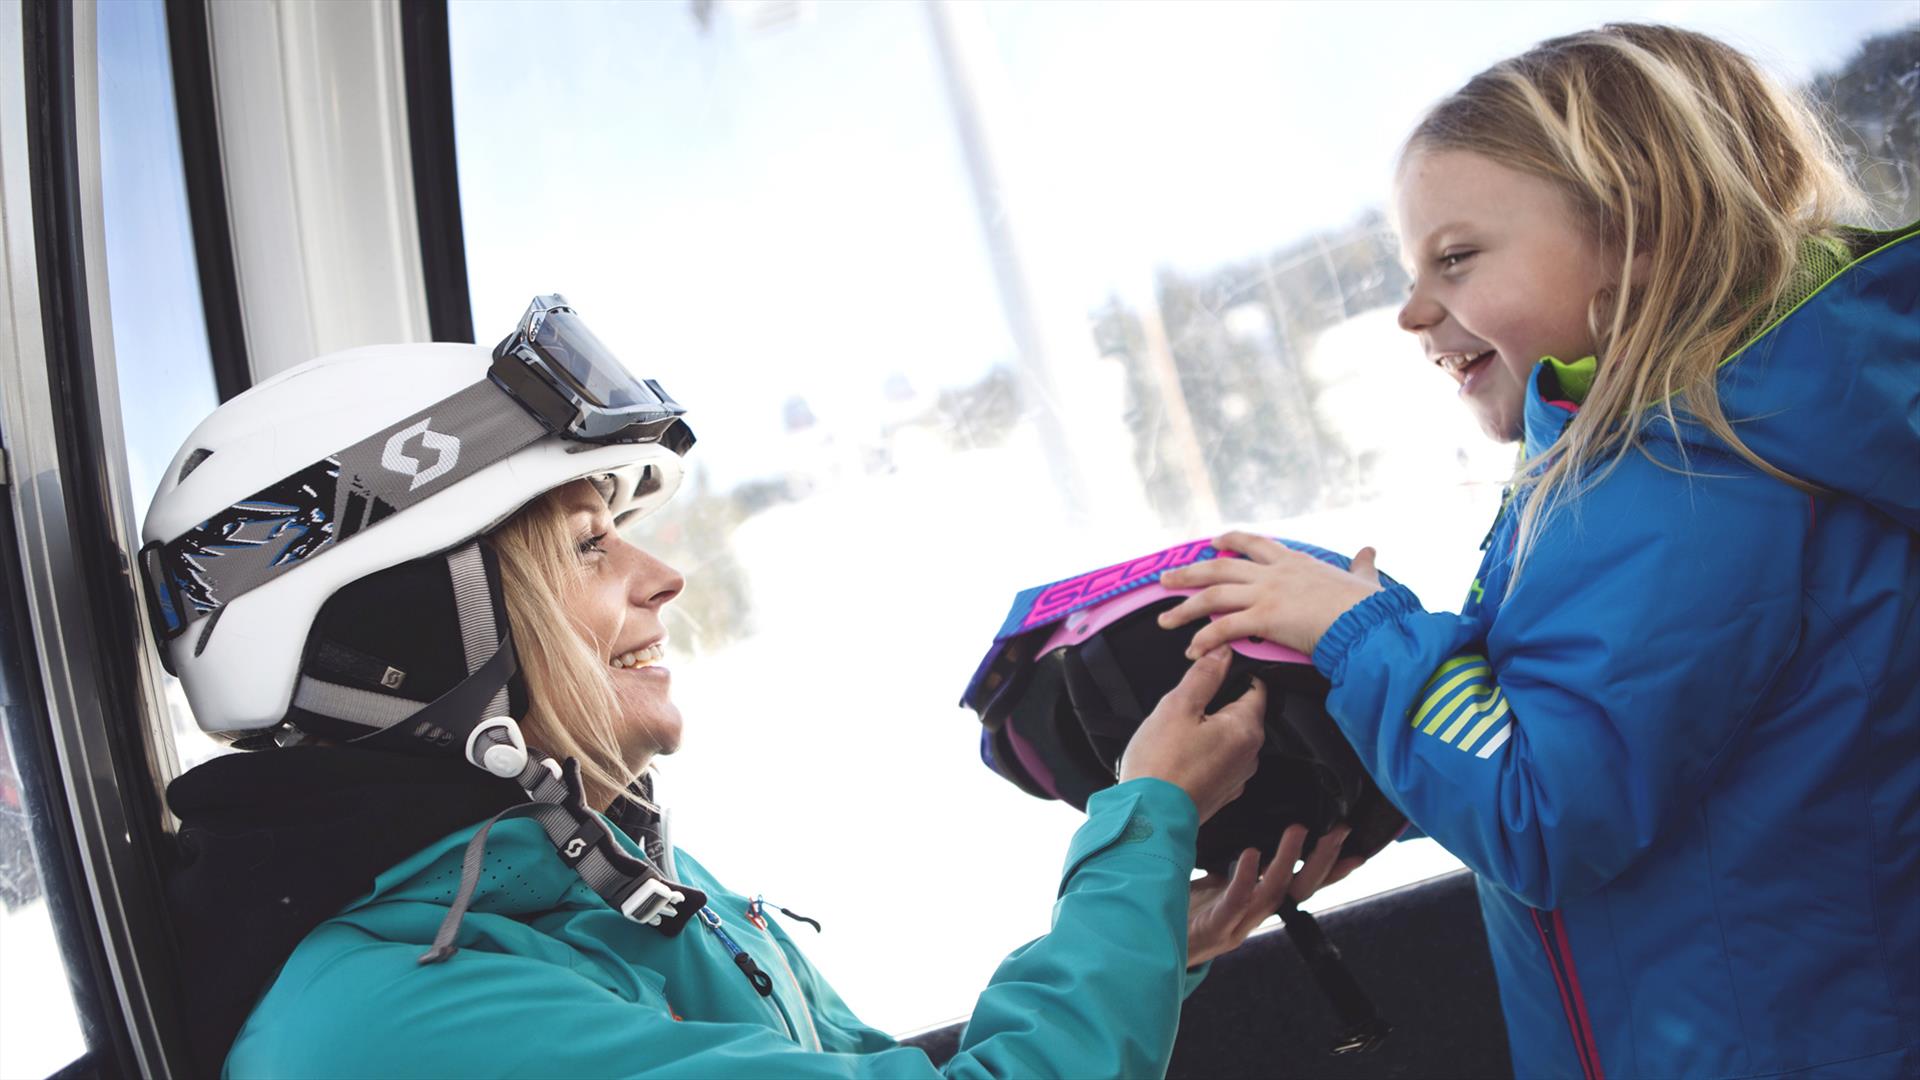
(561, 373)
(551, 377)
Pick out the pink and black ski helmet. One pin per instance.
(1078, 664)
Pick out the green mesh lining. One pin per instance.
(1821, 260)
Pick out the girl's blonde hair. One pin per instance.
(1671, 143)
(573, 707)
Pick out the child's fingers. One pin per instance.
(1174, 617)
(1362, 565)
(1208, 601)
(1210, 572)
(1229, 627)
(1261, 549)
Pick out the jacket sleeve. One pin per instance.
(1636, 642)
(840, 1029)
(1099, 995)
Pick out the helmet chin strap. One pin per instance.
(629, 884)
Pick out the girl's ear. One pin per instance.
(1640, 269)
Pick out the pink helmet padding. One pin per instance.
(1102, 597)
(1031, 760)
(1080, 625)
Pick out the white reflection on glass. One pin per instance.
(159, 327)
(904, 289)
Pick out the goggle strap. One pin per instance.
(310, 511)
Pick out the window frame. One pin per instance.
(96, 729)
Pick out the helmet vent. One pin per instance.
(193, 461)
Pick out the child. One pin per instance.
(1676, 727)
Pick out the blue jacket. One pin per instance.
(549, 981)
(1682, 749)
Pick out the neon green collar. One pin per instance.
(1575, 379)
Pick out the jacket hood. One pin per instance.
(1831, 392)
(1828, 393)
(273, 843)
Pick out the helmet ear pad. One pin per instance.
(997, 750)
(1042, 718)
(397, 633)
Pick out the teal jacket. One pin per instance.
(549, 981)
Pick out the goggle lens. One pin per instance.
(580, 357)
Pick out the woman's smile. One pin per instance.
(647, 656)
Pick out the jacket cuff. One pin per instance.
(1330, 656)
(1157, 815)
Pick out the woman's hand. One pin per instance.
(1274, 593)
(1221, 914)
(1210, 757)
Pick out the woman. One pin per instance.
(398, 572)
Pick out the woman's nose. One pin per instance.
(653, 581)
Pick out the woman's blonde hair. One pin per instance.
(1671, 143)
(573, 709)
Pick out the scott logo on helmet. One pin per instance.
(395, 458)
(1065, 594)
(574, 847)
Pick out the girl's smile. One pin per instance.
(1464, 366)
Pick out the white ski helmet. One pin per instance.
(323, 475)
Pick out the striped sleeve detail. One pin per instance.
(1463, 707)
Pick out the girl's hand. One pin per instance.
(1221, 914)
(1274, 593)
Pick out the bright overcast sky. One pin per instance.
(759, 212)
